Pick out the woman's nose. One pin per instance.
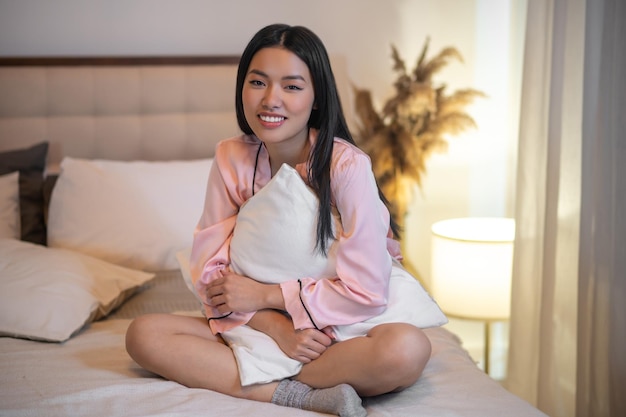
(272, 99)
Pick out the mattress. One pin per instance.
(92, 375)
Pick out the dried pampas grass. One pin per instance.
(411, 125)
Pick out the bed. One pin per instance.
(103, 163)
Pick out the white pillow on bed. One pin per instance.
(275, 233)
(10, 206)
(49, 294)
(136, 214)
(274, 240)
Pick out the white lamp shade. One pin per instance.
(472, 259)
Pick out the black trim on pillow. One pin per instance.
(30, 163)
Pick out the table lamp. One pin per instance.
(472, 260)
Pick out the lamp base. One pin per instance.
(486, 341)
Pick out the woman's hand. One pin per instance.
(233, 292)
(302, 345)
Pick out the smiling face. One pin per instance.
(278, 97)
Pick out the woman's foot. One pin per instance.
(341, 400)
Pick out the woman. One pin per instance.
(289, 110)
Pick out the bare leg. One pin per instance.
(390, 358)
(183, 349)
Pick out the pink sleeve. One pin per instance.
(210, 250)
(361, 287)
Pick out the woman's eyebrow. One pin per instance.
(258, 72)
(294, 77)
(286, 77)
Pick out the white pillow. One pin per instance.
(274, 240)
(49, 294)
(135, 214)
(275, 234)
(10, 206)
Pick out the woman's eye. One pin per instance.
(256, 83)
(294, 87)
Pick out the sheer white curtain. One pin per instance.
(568, 311)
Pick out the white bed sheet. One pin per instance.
(92, 375)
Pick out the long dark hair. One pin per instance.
(327, 116)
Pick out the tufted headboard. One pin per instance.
(124, 108)
(118, 108)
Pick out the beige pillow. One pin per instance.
(49, 294)
(10, 206)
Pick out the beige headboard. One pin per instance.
(149, 108)
(118, 108)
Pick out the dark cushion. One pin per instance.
(31, 164)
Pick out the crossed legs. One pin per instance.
(183, 349)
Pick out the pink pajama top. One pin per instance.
(365, 246)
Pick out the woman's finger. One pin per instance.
(322, 338)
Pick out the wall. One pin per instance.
(362, 30)
(474, 178)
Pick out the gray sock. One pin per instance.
(341, 400)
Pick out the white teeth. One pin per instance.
(272, 119)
